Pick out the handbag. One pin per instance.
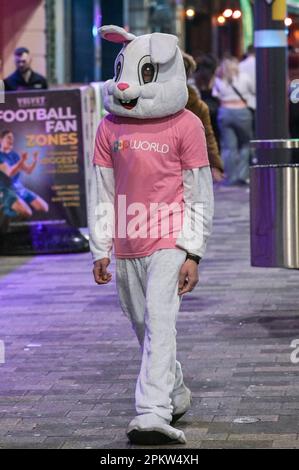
(243, 99)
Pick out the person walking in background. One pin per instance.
(204, 79)
(24, 78)
(234, 88)
(201, 110)
(248, 65)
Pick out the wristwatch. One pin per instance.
(195, 258)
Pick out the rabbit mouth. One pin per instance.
(129, 104)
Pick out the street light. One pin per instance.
(190, 12)
(288, 21)
(227, 13)
(237, 14)
(221, 19)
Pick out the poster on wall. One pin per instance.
(96, 112)
(42, 178)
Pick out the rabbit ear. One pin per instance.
(115, 34)
(162, 47)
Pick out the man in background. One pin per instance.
(24, 78)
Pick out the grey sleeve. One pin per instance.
(198, 210)
(101, 212)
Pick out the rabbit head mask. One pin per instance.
(149, 75)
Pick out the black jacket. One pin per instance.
(15, 82)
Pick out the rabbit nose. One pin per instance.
(123, 86)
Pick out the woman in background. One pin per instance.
(204, 79)
(200, 108)
(235, 120)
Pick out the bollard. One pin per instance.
(274, 208)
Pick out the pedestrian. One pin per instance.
(248, 66)
(234, 88)
(197, 106)
(24, 78)
(150, 169)
(204, 79)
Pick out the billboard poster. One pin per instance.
(42, 158)
(96, 112)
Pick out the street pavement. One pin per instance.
(72, 360)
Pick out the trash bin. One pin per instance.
(274, 208)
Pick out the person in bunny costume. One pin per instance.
(151, 198)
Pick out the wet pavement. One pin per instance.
(71, 357)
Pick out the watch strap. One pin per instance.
(195, 258)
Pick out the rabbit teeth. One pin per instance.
(129, 104)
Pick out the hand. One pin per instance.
(188, 277)
(217, 175)
(24, 156)
(101, 275)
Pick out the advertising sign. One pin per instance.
(42, 151)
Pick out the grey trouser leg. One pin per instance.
(236, 131)
(243, 128)
(148, 293)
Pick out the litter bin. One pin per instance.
(274, 207)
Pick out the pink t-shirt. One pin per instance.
(148, 156)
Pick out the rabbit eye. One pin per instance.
(117, 71)
(118, 67)
(147, 72)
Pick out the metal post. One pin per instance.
(97, 23)
(67, 45)
(271, 72)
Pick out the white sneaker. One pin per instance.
(150, 429)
